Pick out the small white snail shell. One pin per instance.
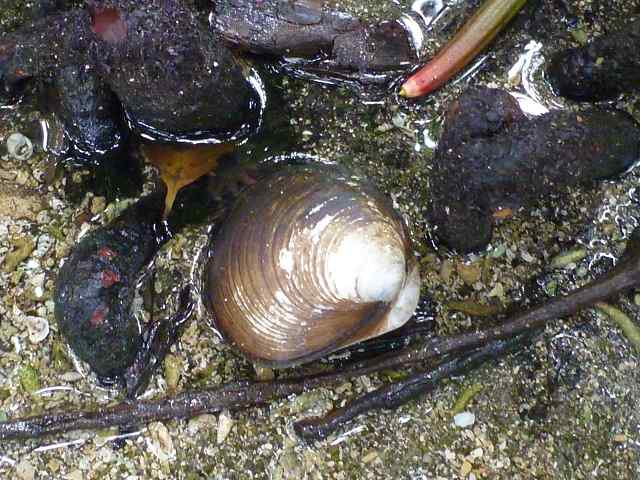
(19, 146)
(310, 260)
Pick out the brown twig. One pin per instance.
(396, 394)
(623, 277)
(235, 395)
(244, 394)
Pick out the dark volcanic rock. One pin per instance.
(91, 114)
(602, 69)
(96, 285)
(308, 29)
(176, 79)
(172, 76)
(491, 157)
(95, 288)
(280, 27)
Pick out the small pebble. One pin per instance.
(568, 260)
(23, 248)
(370, 457)
(71, 377)
(311, 403)
(172, 368)
(25, 471)
(161, 444)
(399, 120)
(497, 291)
(98, 204)
(464, 419)
(498, 251)
(75, 475)
(476, 453)
(527, 257)
(470, 274)
(202, 422)
(620, 438)
(446, 270)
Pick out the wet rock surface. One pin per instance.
(491, 157)
(160, 62)
(92, 117)
(308, 29)
(600, 70)
(271, 27)
(96, 285)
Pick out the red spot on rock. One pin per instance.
(99, 316)
(109, 277)
(108, 25)
(106, 253)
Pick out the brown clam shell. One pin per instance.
(311, 259)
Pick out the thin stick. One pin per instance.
(622, 278)
(398, 393)
(233, 396)
(244, 394)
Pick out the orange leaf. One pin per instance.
(180, 165)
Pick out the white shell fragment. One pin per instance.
(312, 259)
(160, 444)
(225, 424)
(38, 328)
(19, 147)
(464, 419)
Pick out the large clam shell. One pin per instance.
(311, 259)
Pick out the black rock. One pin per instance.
(96, 285)
(491, 157)
(602, 69)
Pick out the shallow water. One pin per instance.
(564, 408)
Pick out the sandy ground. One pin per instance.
(565, 408)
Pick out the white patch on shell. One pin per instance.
(286, 260)
(405, 304)
(368, 264)
(320, 227)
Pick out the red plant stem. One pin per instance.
(470, 40)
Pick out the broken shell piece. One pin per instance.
(160, 444)
(38, 328)
(225, 424)
(464, 419)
